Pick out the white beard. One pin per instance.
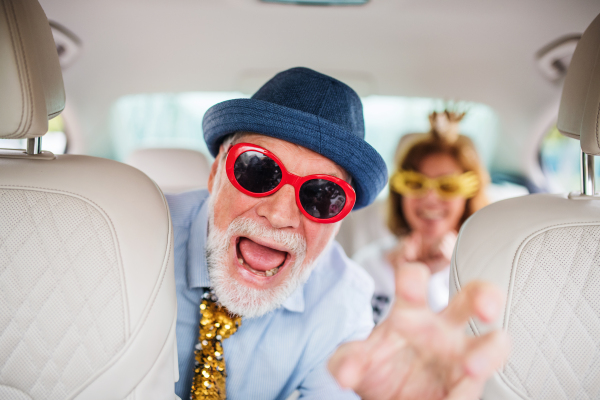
(237, 298)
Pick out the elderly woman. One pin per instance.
(438, 184)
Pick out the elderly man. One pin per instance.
(266, 297)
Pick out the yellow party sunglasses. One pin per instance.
(415, 184)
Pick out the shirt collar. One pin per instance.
(295, 302)
(197, 271)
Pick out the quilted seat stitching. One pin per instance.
(548, 362)
(107, 272)
(541, 353)
(87, 297)
(523, 296)
(156, 290)
(85, 304)
(524, 243)
(567, 280)
(583, 299)
(517, 296)
(574, 315)
(48, 264)
(111, 224)
(559, 344)
(40, 276)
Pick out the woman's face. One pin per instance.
(431, 215)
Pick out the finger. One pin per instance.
(466, 389)
(347, 363)
(418, 242)
(477, 299)
(411, 284)
(486, 355)
(451, 235)
(447, 244)
(410, 246)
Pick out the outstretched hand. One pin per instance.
(417, 354)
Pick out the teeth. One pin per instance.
(431, 214)
(270, 272)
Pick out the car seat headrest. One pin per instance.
(31, 83)
(173, 170)
(579, 113)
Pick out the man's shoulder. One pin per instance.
(185, 206)
(335, 267)
(339, 282)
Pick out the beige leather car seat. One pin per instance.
(173, 170)
(544, 252)
(87, 291)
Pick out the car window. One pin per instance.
(175, 120)
(161, 120)
(559, 159)
(388, 118)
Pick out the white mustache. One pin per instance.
(295, 243)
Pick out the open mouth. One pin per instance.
(431, 215)
(260, 259)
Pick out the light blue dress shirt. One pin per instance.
(285, 350)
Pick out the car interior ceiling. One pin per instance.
(464, 50)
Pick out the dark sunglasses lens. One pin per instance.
(322, 198)
(256, 172)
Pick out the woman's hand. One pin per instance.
(435, 254)
(439, 254)
(416, 354)
(409, 249)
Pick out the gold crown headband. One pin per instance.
(444, 127)
(445, 124)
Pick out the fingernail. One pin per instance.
(476, 365)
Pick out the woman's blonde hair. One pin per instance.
(438, 141)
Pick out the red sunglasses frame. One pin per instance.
(287, 178)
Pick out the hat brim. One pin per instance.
(354, 154)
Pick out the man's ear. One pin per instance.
(214, 168)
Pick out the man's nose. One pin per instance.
(280, 208)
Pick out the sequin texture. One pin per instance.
(216, 325)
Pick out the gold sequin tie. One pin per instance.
(216, 324)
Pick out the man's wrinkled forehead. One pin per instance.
(297, 151)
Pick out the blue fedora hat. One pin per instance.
(313, 110)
